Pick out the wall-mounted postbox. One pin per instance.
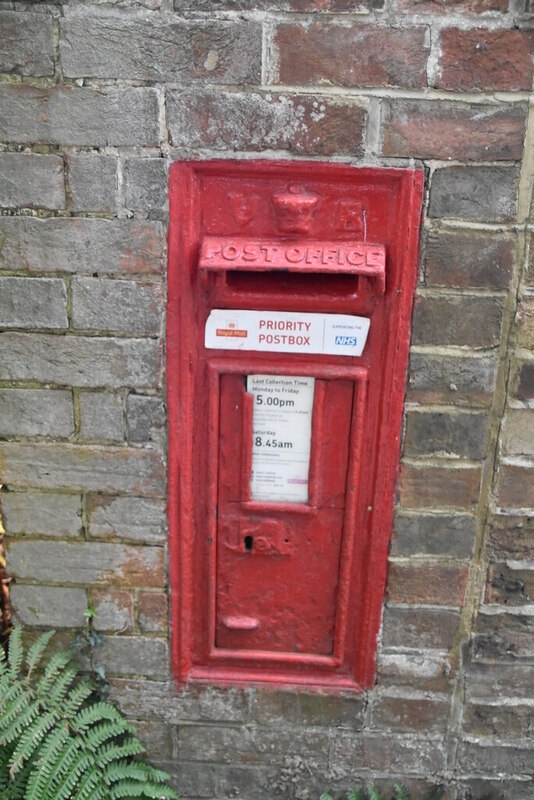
(290, 294)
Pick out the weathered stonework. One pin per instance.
(97, 98)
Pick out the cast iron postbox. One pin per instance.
(289, 299)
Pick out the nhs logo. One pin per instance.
(347, 341)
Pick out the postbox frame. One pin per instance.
(184, 236)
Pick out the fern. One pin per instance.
(57, 744)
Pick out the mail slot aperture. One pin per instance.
(290, 294)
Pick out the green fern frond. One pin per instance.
(62, 685)
(77, 697)
(58, 745)
(95, 713)
(35, 652)
(356, 794)
(65, 758)
(99, 734)
(19, 723)
(31, 739)
(81, 764)
(44, 766)
(160, 792)
(113, 752)
(13, 709)
(133, 789)
(400, 792)
(15, 652)
(124, 771)
(13, 691)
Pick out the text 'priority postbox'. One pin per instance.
(289, 302)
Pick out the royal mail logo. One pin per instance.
(235, 332)
(347, 341)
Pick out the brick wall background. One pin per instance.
(96, 99)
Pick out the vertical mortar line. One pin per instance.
(479, 561)
(162, 119)
(85, 517)
(267, 29)
(76, 410)
(373, 129)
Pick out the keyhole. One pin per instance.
(249, 541)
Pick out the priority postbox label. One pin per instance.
(286, 332)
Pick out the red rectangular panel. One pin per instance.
(276, 590)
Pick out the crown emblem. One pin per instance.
(294, 209)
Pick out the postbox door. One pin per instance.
(278, 563)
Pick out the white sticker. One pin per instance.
(286, 332)
(281, 437)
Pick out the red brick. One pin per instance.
(436, 7)
(482, 59)
(153, 611)
(511, 537)
(422, 129)
(468, 259)
(437, 486)
(435, 584)
(359, 55)
(456, 320)
(251, 121)
(515, 486)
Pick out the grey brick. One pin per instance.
(26, 43)
(402, 754)
(517, 433)
(458, 320)
(50, 606)
(469, 259)
(265, 746)
(482, 194)
(308, 124)
(42, 514)
(28, 180)
(101, 416)
(92, 182)
(420, 627)
(145, 182)
(434, 534)
(456, 379)
(81, 245)
(83, 468)
(145, 419)
(83, 116)
(114, 609)
(79, 361)
(150, 49)
(514, 760)
(154, 700)
(135, 518)
(157, 739)
(442, 433)
(86, 563)
(33, 303)
(134, 655)
(115, 305)
(36, 412)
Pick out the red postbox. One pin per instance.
(289, 299)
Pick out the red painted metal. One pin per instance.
(285, 592)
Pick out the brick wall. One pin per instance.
(96, 99)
